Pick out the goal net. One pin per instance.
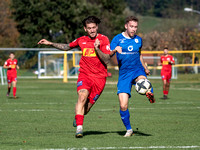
(51, 65)
(3, 76)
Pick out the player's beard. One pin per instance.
(93, 35)
(131, 34)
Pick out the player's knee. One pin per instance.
(82, 98)
(123, 107)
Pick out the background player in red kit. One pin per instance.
(167, 61)
(11, 65)
(95, 49)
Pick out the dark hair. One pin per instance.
(91, 19)
(131, 18)
(12, 53)
(166, 48)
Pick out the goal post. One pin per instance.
(3, 76)
(58, 65)
(65, 65)
(65, 68)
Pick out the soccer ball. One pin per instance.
(143, 86)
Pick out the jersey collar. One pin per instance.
(123, 33)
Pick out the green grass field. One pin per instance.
(42, 116)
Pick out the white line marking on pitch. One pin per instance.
(102, 110)
(150, 147)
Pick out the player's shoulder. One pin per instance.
(8, 60)
(119, 37)
(82, 38)
(101, 36)
(138, 37)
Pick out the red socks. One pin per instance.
(165, 92)
(14, 91)
(79, 119)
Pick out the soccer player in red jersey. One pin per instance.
(95, 49)
(167, 61)
(11, 65)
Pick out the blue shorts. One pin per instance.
(127, 79)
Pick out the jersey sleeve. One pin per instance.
(105, 48)
(141, 44)
(74, 43)
(161, 60)
(114, 43)
(6, 63)
(172, 59)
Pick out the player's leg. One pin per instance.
(14, 83)
(149, 94)
(164, 88)
(9, 85)
(79, 110)
(167, 85)
(124, 93)
(164, 79)
(124, 113)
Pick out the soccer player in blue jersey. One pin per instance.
(127, 46)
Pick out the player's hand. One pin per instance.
(45, 42)
(147, 71)
(96, 43)
(9, 66)
(119, 49)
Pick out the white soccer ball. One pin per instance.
(143, 86)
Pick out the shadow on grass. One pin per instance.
(122, 133)
(13, 97)
(137, 133)
(94, 132)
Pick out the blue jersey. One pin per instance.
(129, 59)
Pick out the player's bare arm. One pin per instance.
(6, 67)
(60, 46)
(143, 64)
(104, 57)
(171, 62)
(117, 49)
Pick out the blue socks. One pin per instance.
(125, 118)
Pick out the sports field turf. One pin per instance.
(42, 116)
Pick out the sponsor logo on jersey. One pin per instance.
(130, 48)
(165, 62)
(96, 97)
(13, 66)
(136, 41)
(122, 40)
(84, 43)
(80, 83)
(89, 52)
(108, 47)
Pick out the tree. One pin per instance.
(8, 32)
(61, 21)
